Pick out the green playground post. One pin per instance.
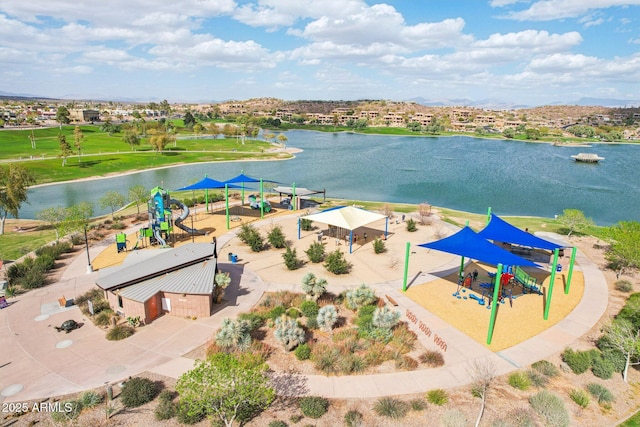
(488, 214)
(406, 267)
(574, 250)
(551, 281)
(494, 303)
(261, 200)
(226, 198)
(461, 272)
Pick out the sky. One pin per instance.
(528, 52)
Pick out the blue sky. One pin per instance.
(531, 52)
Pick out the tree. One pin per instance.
(624, 251)
(313, 286)
(189, 120)
(31, 119)
(165, 108)
(624, 337)
(138, 194)
(509, 132)
(65, 148)
(131, 137)
(78, 138)
(482, 376)
(160, 140)
(574, 220)
(282, 139)
(14, 182)
(226, 386)
(76, 218)
(55, 217)
(62, 116)
(112, 200)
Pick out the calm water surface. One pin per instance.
(471, 174)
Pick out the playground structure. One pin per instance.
(255, 204)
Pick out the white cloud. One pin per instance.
(547, 10)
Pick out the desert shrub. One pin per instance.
(360, 297)
(537, 379)
(251, 236)
(138, 391)
(385, 317)
(391, 407)
(313, 286)
(602, 367)
(277, 423)
(623, 286)
(118, 226)
(253, 320)
(70, 411)
(309, 308)
(306, 224)
(103, 318)
(353, 418)
(631, 310)
(578, 361)
(418, 404)
(77, 239)
(166, 408)
(579, 396)
(520, 417)
(616, 358)
(327, 317)
(519, 380)
(379, 246)
(276, 237)
(234, 334)
(315, 252)
(296, 418)
(551, 408)
(453, 418)
(336, 263)
(33, 279)
(313, 406)
(90, 399)
(405, 362)
(276, 312)
(351, 364)
(288, 333)
(432, 358)
(546, 368)
(411, 225)
(437, 396)
(600, 393)
(291, 260)
(45, 262)
(293, 312)
(17, 270)
(303, 352)
(184, 417)
(119, 332)
(326, 359)
(376, 354)
(403, 339)
(312, 322)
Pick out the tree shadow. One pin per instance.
(289, 385)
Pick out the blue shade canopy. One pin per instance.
(242, 178)
(468, 243)
(501, 231)
(207, 184)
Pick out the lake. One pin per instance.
(465, 173)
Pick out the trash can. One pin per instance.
(559, 268)
(230, 256)
(320, 236)
(234, 258)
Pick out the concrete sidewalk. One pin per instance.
(37, 362)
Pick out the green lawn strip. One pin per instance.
(634, 421)
(14, 245)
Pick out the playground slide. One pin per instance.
(159, 238)
(183, 216)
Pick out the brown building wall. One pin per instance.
(186, 305)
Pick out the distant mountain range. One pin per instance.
(490, 103)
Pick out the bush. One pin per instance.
(537, 379)
(579, 396)
(602, 367)
(306, 224)
(432, 358)
(326, 359)
(166, 408)
(138, 391)
(336, 263)
(103, 318)
(276, 312)
(623, 286)
(353, 418)
(360, 297)
(291, 260)
(315, 252)
(546, 368)
(600, 393)
(437, 396)
(253, 320)
(578, 361)
(119, 332)
(551, 408)
(417, 404)
(391, 407)
(312, 323)
(276, 237)
(277, 423)
(251, 236)
(309, 308)
(33, 279)
(183, 416)
(454, 418)
(411, 225)
(520, 417)
(70, 411)
(379, 246)
(303, 352)
(313, 406)
(616, 358)
(519, 380)
(90, 399)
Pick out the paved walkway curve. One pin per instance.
(38, 362)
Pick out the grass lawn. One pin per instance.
(632, 422)
(13, 245)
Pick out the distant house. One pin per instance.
(150, 283)
(87, 116)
